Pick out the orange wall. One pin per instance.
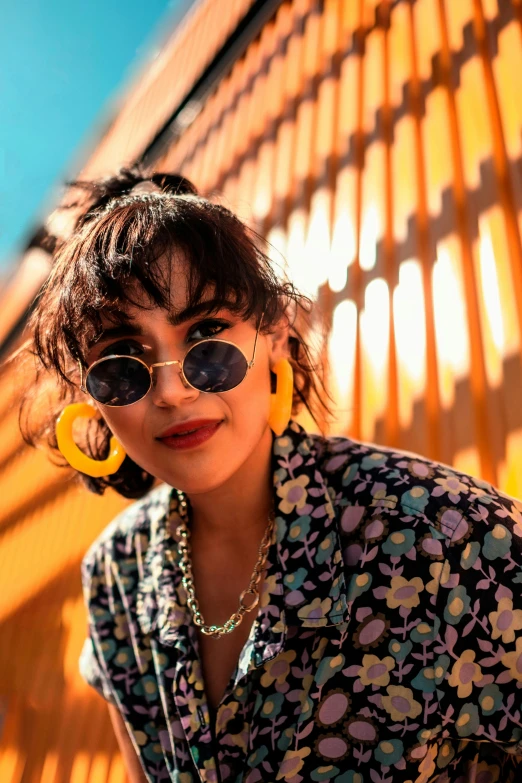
(378, 147)
(53, 728)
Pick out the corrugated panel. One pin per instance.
(378, 146)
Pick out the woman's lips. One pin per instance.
(189, 440)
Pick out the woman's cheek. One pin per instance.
(127, 428)
(254, 401)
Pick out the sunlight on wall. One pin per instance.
(501, 302)
(467, 461)
(450, 322)
(316, 257)
(277, 251)
(344, 245)
(374, 324)
(342, 357)
(301, 273)
(370, 230)
(491, 307)
(511, 469)
(410, 337)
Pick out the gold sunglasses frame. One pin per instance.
(150, 368)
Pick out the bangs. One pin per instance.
(129, 257)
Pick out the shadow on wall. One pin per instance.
(52, 724)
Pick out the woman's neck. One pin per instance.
(236, 513)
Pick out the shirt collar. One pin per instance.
(307, 584)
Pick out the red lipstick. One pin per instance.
(190, 433)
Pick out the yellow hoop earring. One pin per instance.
(74, 456)
(281, 401)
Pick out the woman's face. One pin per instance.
(236, 420)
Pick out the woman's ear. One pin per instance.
(278, 347)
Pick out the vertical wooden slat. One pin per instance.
(478, 371)
(375, 313)
(285, 134)
(432, 396)
(390, 271)
(264, 191)
(500, 157)
(12, 760)
(323, 166)
(301, 269)
(407, 294)
(356, 277)
(223, 125)
(237, 141)
(342, 268)
(507, 62)
(254, 126)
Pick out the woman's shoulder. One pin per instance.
(369, 474)
(128, 534)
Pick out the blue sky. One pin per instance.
(60, 62)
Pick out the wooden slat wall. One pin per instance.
(378, 146)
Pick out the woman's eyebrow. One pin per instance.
(205, 307)
(114, 332)
(174, 319)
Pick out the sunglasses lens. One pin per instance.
(214, 366)
(118, 381)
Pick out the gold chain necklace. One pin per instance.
(216, 631)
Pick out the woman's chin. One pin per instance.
(198, 477)
(201, 486)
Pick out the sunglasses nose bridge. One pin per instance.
(167, 364)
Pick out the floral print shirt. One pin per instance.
(387, 644)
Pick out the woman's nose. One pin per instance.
(169, 386)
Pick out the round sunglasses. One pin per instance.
(211, 365)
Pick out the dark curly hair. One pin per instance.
(110, 261)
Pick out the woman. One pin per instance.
(280, 606)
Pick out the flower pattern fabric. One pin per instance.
(388, 640)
